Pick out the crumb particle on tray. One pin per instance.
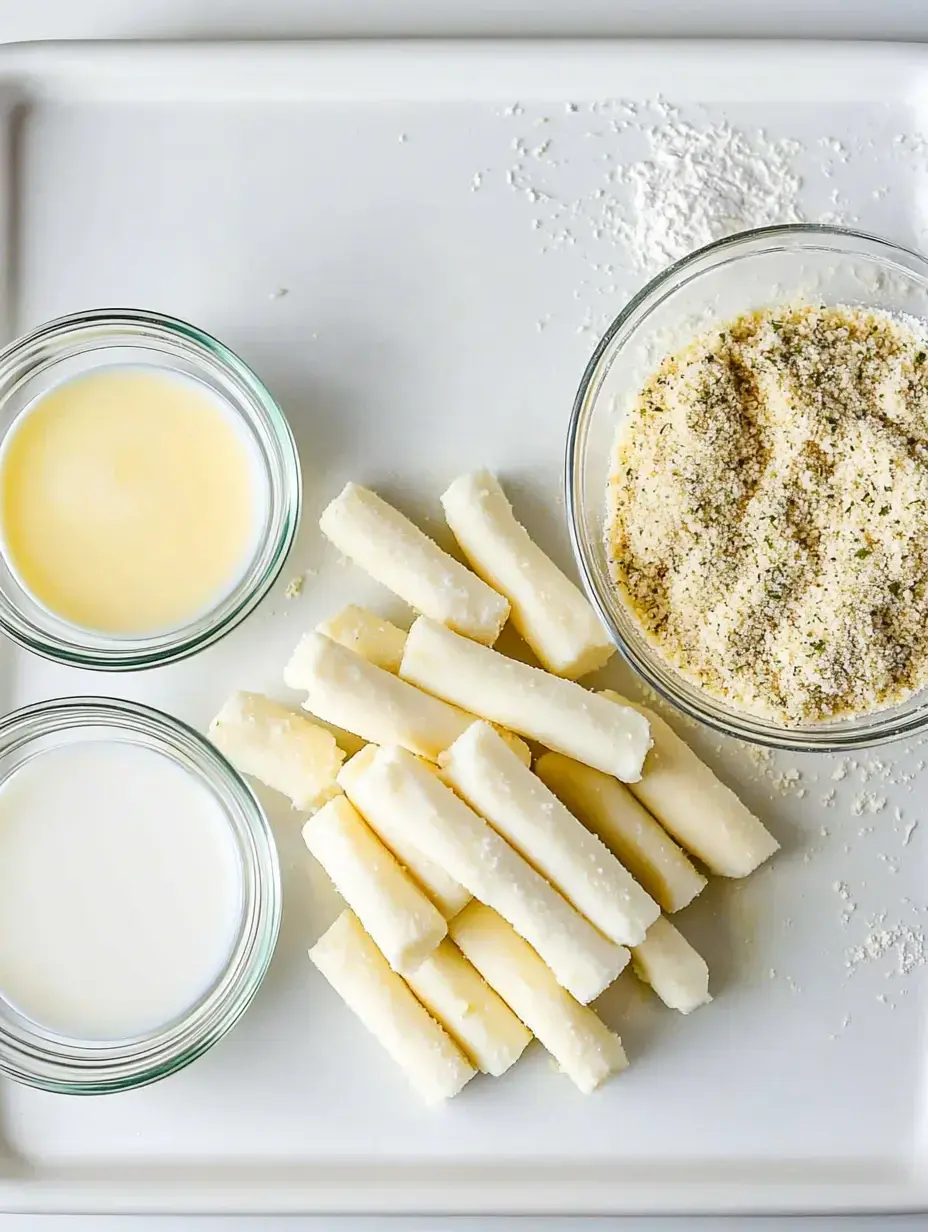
(906, 944)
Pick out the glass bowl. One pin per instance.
(75, 345)
(39, 1057)
(744, 272)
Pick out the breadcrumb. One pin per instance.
(767, 512)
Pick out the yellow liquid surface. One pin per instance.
(128, 500)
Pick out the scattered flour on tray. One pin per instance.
(905, 943)
(848, 905)
(701, 184)
(698, 180)
(867, 802)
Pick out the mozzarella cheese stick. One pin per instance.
(558, 713)
(346, 690)
(281, 749)
(405, 925)
(477, 1019)
(364, 980)
(515, 743)
(667, 961)
(355, 766)
(381, 643)
(552, 614)
(584, 1048)
(518, 805)
(398, 555)
(609, 809)
(448, 895)
(398, 787)
(368, 635)
(701, 813)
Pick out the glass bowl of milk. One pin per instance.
(140, 895)
(150, 490)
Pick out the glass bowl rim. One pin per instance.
(48, 1061)
(285, 497)
(863, 731)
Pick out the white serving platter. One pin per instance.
(344, 216)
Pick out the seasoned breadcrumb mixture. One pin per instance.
(768, 512)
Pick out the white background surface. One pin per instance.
(265, 18)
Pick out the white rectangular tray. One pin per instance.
(344, 217)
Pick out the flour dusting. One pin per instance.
(907, 944)
(701, 184)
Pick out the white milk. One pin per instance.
(120, 890)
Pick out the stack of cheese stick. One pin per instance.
(491, 893)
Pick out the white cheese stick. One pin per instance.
(609, 809)
(399, 789)
(368, 635)
(281, 749)
(668, 962)
(381, 643)
(398, 555)
(515, 744)
(448, 895)
(477, 1019)
(517, 804)
(701, 813)
(584, 1048)
(364, 980)
(346, 690)
(551, 613)
(405, 925)
(558, 713)
(355, 766)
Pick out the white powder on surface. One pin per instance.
(701, 184)
(867, 802)
(695, 180)
(907, 944)
(786, 780)
(760, 758)
(848, 905)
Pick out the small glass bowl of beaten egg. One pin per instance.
(150, 490)
(140, 896)
(744, 474)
